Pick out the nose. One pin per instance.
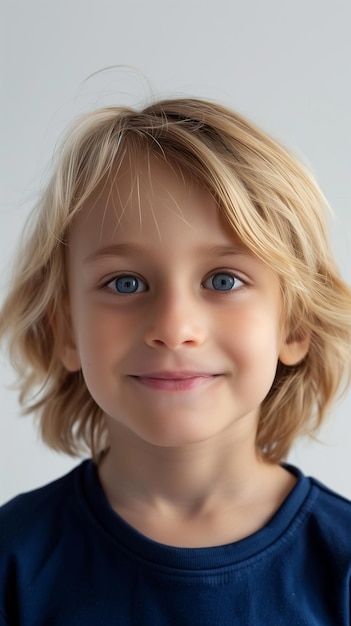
(176, 320)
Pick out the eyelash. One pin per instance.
(235, 278)
(117, 278)
(134, 277)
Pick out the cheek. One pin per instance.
(103, 337)
(253, 337)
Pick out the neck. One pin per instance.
(187, 479)
(199, 495)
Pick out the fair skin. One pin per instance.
(177, 330)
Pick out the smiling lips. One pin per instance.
(175, 381)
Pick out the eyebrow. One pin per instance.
(116, 249)
(132, 249)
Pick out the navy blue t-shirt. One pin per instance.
(67, 559)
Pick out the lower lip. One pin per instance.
(175, 384)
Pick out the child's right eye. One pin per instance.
(126, 284)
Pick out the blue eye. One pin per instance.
(127, 284)
(223, 282)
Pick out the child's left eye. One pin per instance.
(126, 284)
(223, 281)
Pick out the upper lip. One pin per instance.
(175, 374)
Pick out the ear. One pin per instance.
(61, 325)
(294, 348)
(70, 359)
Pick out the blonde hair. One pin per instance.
(272, 204)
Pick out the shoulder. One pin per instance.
(323, 524)
(318, 520)
(331, 511)
(39, 531)
(34, 513)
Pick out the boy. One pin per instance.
(179, 308)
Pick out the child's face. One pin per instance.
(176, 327)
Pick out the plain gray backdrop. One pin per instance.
(282, 63)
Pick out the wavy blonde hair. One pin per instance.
(272, 204)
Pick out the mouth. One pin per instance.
(175, 381)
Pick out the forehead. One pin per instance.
(149, 200)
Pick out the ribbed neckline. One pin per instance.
(191, 560)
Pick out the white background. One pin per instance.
(285, 64)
